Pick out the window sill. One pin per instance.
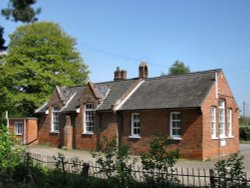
(19, 134)
(88, 133)
(222, 137)
(176, 138)
(214, 138)
(54, 132)
(135, 136)
(230, 136)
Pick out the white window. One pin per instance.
(222, 118)
(89, 118)
(19, 128)
(55, 119)
(135, 125)
(175, 125)
(230, 122)
(213, 121)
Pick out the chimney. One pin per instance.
(123, 75)
(117, 74)
(143, 70)
(120, 74)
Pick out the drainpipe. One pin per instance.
(7, 118)
(24, 132)
(216, 85)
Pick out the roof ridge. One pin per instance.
(182, 75)
(106, 82)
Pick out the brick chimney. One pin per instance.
(143, 70)
(123, 75)
(120, 74)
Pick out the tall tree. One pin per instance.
(2, 41)
(178, 68)
(21, 10)
(41, 55)
(18, 10)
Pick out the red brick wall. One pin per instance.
(31, 130)
(44, 131)
(158, 121)
(12, 128)
(211, 147)
(108, 122)
(83, 140)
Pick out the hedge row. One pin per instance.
(245, 133)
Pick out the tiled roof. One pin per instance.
(180, 91)
(73, 101)
(116, 90)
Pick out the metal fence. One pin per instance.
(187, 177)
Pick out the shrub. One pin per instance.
(158, 165)
(245, 133)
(230, 172)
(10, 155)
(115, 164)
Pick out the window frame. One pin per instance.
(175, 137)
(88, 113)
(222, 118)
(55, 122)
(18, 124)
(134, 121)
(213, 113)
(230, 122)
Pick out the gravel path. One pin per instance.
(86, 156)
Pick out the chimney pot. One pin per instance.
(123, 75)
(143, 70)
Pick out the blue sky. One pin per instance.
(203, 34)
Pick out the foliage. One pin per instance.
(21, 10)
(230, 172)
(244, 120)
(2, 41)
(9, 154)
(245, 133)
(178, 68)
(158, 165)
(18, 10)
(41, 56)
(115, 164)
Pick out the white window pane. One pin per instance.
(135, 124)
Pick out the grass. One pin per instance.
(244, 142)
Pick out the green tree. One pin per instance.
(18, 10)
(41, 56)
(2, 41)
(178, 68)
(21, 10)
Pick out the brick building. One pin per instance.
(197, 110)
(25, 129)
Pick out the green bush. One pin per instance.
(230, 172)
(10, 155)
(115, 164)
(245, 133)
(158, 165)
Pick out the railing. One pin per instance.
(187, 177)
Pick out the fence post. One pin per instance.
(63, 167)
(27, 159)
(85, 170)
(211, 177)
